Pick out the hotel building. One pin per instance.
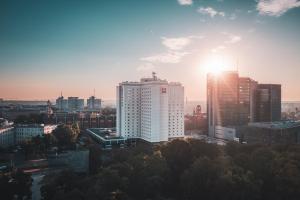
(152, 109)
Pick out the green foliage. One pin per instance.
(188, 170)
(66, 135)
(14, 185)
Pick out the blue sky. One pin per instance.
(76, 46)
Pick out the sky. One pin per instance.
(77, 46)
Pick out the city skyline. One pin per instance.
(75, 47)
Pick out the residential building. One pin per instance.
(61, 103)
(152, 109)
(24, 132)
(93, 104)
(6, 136)
(75, 104)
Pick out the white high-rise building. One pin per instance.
(152, 109)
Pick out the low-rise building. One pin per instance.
(24, 132)
(282, 132)
(7, 136)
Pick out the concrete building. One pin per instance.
(93, 104)
(75, 104)
(61, 103)
(268, 103)
(282, 132)
(7, 137)
(152, 109)
(24, 132)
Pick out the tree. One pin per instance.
(65, 135)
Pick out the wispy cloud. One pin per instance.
(218, 49)
(210, 11)
(145, 67)
(276, 7)
(185, 2)
(232, 38)
(167, 57)
(176, 43)
(175, 49)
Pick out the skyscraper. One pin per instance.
(268, 103)
(235, 101)
(247, 100)
(222, 100)
(152, 109)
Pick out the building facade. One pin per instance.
(268, 103)
(222, 101)
(236, 101)
(61, 104)
(282, 132)
(24, 132)
(7, 137)
(152, 109)
(93, 104)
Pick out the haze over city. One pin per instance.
(76, 46)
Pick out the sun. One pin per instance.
(215, 64)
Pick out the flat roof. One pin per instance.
(105, 134)
(276, 125)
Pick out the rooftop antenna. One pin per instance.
(237, 65)
(94, 92)
(61, 93)
(154, 75)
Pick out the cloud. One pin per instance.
(232, 38)
(176, 43)
(218, 48)
(167, 57)
(145, 67)
(185, 2)
(276, 7)
(210, 11)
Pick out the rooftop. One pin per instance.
(105, 134)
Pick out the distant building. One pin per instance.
(7, 136)
(268, 103)
(75, 104)
(152, 109)
(283, 132)
(24, 132)
(93, 104)
(61, 103)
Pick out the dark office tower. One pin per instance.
(268, 103)
(222, 100)
(247, 100)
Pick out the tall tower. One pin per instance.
(222, 100)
